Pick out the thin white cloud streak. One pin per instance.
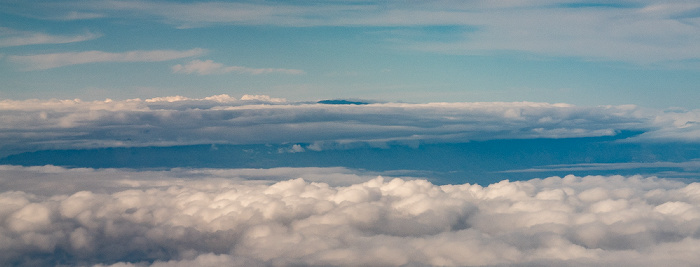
(55, 60)
(643, 32)
(687, 166)
(153, 219)
(186, 15)
(73, 15)
(10, 37)
(208, 67)
(260, 119)
(50, 10)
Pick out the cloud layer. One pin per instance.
(127, 218)
(165, 121)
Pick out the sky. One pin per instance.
(578, 52)
(346, 133)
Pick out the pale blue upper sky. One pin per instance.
(580, 52)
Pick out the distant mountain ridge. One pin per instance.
(341, 102)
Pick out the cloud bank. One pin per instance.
(259, 119)
(128, 218)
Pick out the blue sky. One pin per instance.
(584, 53)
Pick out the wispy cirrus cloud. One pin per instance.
(59, 10)
(187, 15)
(55, 60)
(11, 37)
(688, 165)
(74, 15)
(208, 67)
(642, 32)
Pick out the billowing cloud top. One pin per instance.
(218, 218)
(255, 119)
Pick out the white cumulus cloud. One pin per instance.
(127, 218)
